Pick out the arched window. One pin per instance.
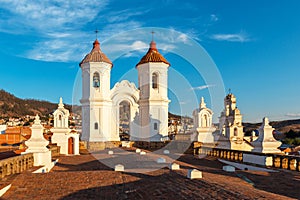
(154, 80)
(96, 80)
(235, 132)
(155, 126)
(59, 117)
(96, 126)
(205, 121)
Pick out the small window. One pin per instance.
(59, 117)
(96, 126)
(235, 132)
(96, 80)
(154, 81)
(155, 126)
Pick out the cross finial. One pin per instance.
(229, 91)
(152, 32)
(96, 31)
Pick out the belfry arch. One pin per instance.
(124, 119)
(124, 98)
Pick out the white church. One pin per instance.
(148, 104)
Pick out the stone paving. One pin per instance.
(84, 177)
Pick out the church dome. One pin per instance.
(96, 55)
(153, 55)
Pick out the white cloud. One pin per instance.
(119, 47)
(57, 26)
(59, 34)
(183, 38)
(45, 15)
(202, 87)
(213, 18)
(238, 37)
(177, 37)
(123, 15)
(293, 115)
(57, 50)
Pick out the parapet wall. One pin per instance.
(16, 164)
(254, 158)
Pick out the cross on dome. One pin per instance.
(152, 32)
(153, 55)
(96, 31)
(96, 55)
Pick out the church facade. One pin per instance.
(102, 105)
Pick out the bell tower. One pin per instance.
(96, 102)
(153, 102)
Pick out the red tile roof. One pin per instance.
(96, 55)
(153, 56)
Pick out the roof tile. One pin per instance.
(96, 55)
(153, 55)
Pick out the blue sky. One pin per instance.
(255, 46)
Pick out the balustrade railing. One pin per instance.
(15, 164)
(278, 161)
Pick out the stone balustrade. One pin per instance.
(16, 164)
(277, 160)
(286, 162)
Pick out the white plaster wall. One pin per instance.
(257, 159)
(153, 102)
(96, 102)
(42, 158)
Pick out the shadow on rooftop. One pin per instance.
(282, 183)
(169, 185)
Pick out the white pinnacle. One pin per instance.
(202, 104)
(60, 105)
(37, 119)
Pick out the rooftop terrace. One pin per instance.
(85, 177)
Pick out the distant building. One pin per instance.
(15, 135)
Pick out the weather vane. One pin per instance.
(96, 31)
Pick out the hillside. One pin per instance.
(281, 126)
(11, 106)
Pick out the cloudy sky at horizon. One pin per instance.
(255, 46)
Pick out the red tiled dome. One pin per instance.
(153, 56)
(96, 55)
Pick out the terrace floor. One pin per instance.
(87, 177)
